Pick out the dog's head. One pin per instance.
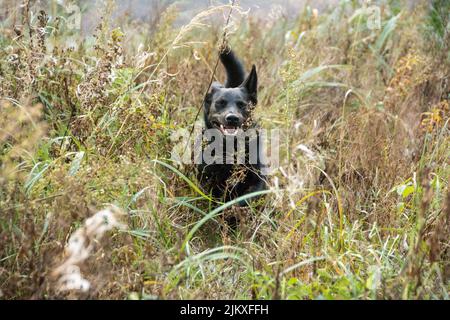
(227, 109)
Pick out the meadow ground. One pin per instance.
(358, 208)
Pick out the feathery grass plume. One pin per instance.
(81, 245)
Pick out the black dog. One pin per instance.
(227, 113)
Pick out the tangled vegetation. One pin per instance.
(359, 207)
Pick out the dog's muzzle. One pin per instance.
(232, 125)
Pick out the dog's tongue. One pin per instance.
(232, 131)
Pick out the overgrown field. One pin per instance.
(359, 207)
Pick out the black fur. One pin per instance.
(228, 108)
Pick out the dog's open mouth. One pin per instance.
(228, 130)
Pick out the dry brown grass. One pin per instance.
(358, 209)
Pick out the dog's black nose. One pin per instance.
(232, 119)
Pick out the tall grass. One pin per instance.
(359, 207)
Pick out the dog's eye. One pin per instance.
(241, 105)
(220, 104)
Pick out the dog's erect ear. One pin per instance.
(251, 85)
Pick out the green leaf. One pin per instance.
(312, 72)
(36, 173)
(182, 176)
(387, 31)
(217, 211)
(407, 191)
